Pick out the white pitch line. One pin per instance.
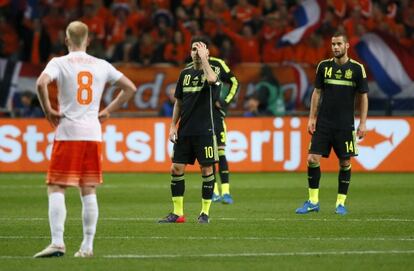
(5, 257)
(230, 255)
(221, 238)
(266, 254)
(341, 219)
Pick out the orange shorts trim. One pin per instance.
(75, 163)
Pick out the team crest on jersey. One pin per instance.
(338, 74)
(195, 81)
(348, 74)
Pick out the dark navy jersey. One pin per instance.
(338, 85)
(229, 86)
(197, 98)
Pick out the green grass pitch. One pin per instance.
(260, 231)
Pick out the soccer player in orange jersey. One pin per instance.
(76, 155)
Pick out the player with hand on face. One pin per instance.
(194, 139)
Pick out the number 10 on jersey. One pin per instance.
(84, 87)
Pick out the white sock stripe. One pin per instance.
(57, 217)
(90, 215)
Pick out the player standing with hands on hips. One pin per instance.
(338, 82)
(76, 155)
(197, 89)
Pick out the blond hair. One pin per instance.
(77, 33)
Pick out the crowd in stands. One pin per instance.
(159, 31)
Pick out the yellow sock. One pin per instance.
(178, 205)
(314, 195)
(340, 200)
(216, 189)
(225, 188)
(205, 204)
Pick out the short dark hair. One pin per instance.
(27, 93)
(202, 39)
(340, 34)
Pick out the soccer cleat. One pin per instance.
(172, 218)
(83, 254)
(227, 199)
(308, 207)
(51, 251)
(203, 219)
(216, 198)
(341, 210)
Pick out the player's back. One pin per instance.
(81, 79)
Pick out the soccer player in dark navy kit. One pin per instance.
(223, 99)
(338, 82)
(196, 92)
(228, 91)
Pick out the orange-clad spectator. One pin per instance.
(314, 50)
(329, 24)
(379, 21)
(54, 21)
(95, 23)
(407, 42)
(272, 29)
(119, 28)
(175, 51)
(42, 47)
(408, 17)
(4, 3)
(365, 6)
(71, 8)
(247, 43)
(9, 41)
(278, 54)
(151, 5)
(190, 29)
(189, 3)
(213, 11)
(353, 21)
(162, 32)
(339, 7)
(104, 13)
(271, 32)
(68, 4)
(193, 9)
(342, 6)
(35, 54)
(228, 52)
(146, 49)
(244, 12)
(137, 19)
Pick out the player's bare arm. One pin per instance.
(128, 90)
(313, 110)
(363, 109)
(52, 115)
(175, 118)
(202, 51)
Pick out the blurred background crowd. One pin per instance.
(158, 31)
(148, 32)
